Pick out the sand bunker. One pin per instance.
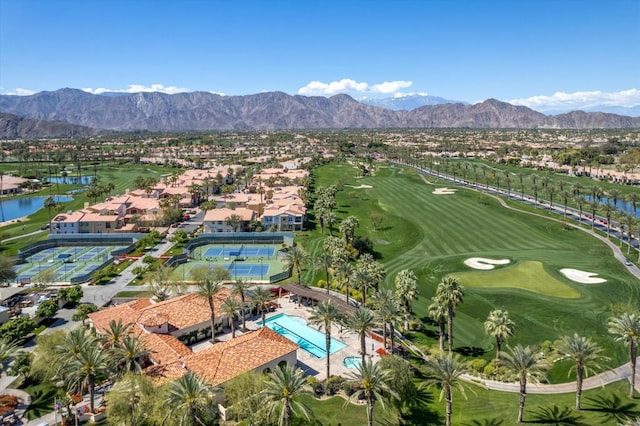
(582, 277)
(444, 191)
(484, 263)
(361, 186)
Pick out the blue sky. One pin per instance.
(540, 53)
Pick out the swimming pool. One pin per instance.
(297, 330)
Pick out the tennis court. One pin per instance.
(248, 270)
(66, 262)
(221, 251)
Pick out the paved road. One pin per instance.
(23, 235)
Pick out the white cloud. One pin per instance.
(20, 92)
(135, 88)
(580, 100)
(346, 85)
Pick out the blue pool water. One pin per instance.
(297, 330)
(19, 207)
(352, 361)
(83, 180)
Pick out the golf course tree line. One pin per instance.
(591, 198)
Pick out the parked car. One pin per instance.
(45, 226)
(627, 262)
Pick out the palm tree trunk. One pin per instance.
(441, 336)
(392, 331)
(384, 334)
(449, 403)
(244, 313)
(579, 378)
(287, 413)
(363, 347)
(192, 415)
(370, 403)
(633, 348)
(328, 346)
(523, 397)
(498, 347)
(91, 381)
(213, 321)
(450, 328)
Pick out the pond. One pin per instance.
(20, 207)
(82, 180)
(622, 205)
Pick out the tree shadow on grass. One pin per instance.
(420, 412)
(41, 403)
(612, 407)
(485, 422)
(473, 351)
(557, 416)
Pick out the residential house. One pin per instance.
(217, 220)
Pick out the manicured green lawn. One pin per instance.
(528, 275)
(433, 235)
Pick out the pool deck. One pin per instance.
(308, 363)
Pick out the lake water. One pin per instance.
(19, 207)
(83, 180)
(622, 205)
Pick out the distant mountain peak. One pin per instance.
(407, 102)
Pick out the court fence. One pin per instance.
(239, 238)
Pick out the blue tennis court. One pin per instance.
(85, 257)
(248, 270)
(239, 251)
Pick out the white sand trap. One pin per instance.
(484, 263)
(361, 186)
(582, 277)
(444, 191)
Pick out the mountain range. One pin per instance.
(153, 111)
(407, 102)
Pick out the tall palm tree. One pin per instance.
(613, 195)
(345, 271)
(525, 363)
(188, 395)
(129, 355)
(594, 205)
(239, 288)
(361, 321)
(230, 307)
(450, 293)
(295, 257)
(388, 311)
(444, 371)
(406, 292)
(324, 315)
(626, 329)
(261, 297)
(208, 290)
(373, 385)
(499, 326)
(634, 198)
(91, 361)
(585, 355)
(325, 261)
(283, 387)
(438, 312)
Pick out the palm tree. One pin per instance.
(129, 355)
(208, 290)
(239, 288)
(294, 258)
(388, 310)
(595, 206)
(91, 361)
(283, 386)
(444, 371)
(373, 385)
(450, 293)
(231, 306)
(345, 271)
(626, 328)
(499, 326)
(406, 292)
(186, 396)
(525, 363)
(324, 315)
(115, 333)
(438, 312)
(8, 351)
(261, 297)
(361, 321)
(613, 195)
(362, 280)
(634, 198)
(585, 355)
(325, 261)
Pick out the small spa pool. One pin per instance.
(352, 361)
